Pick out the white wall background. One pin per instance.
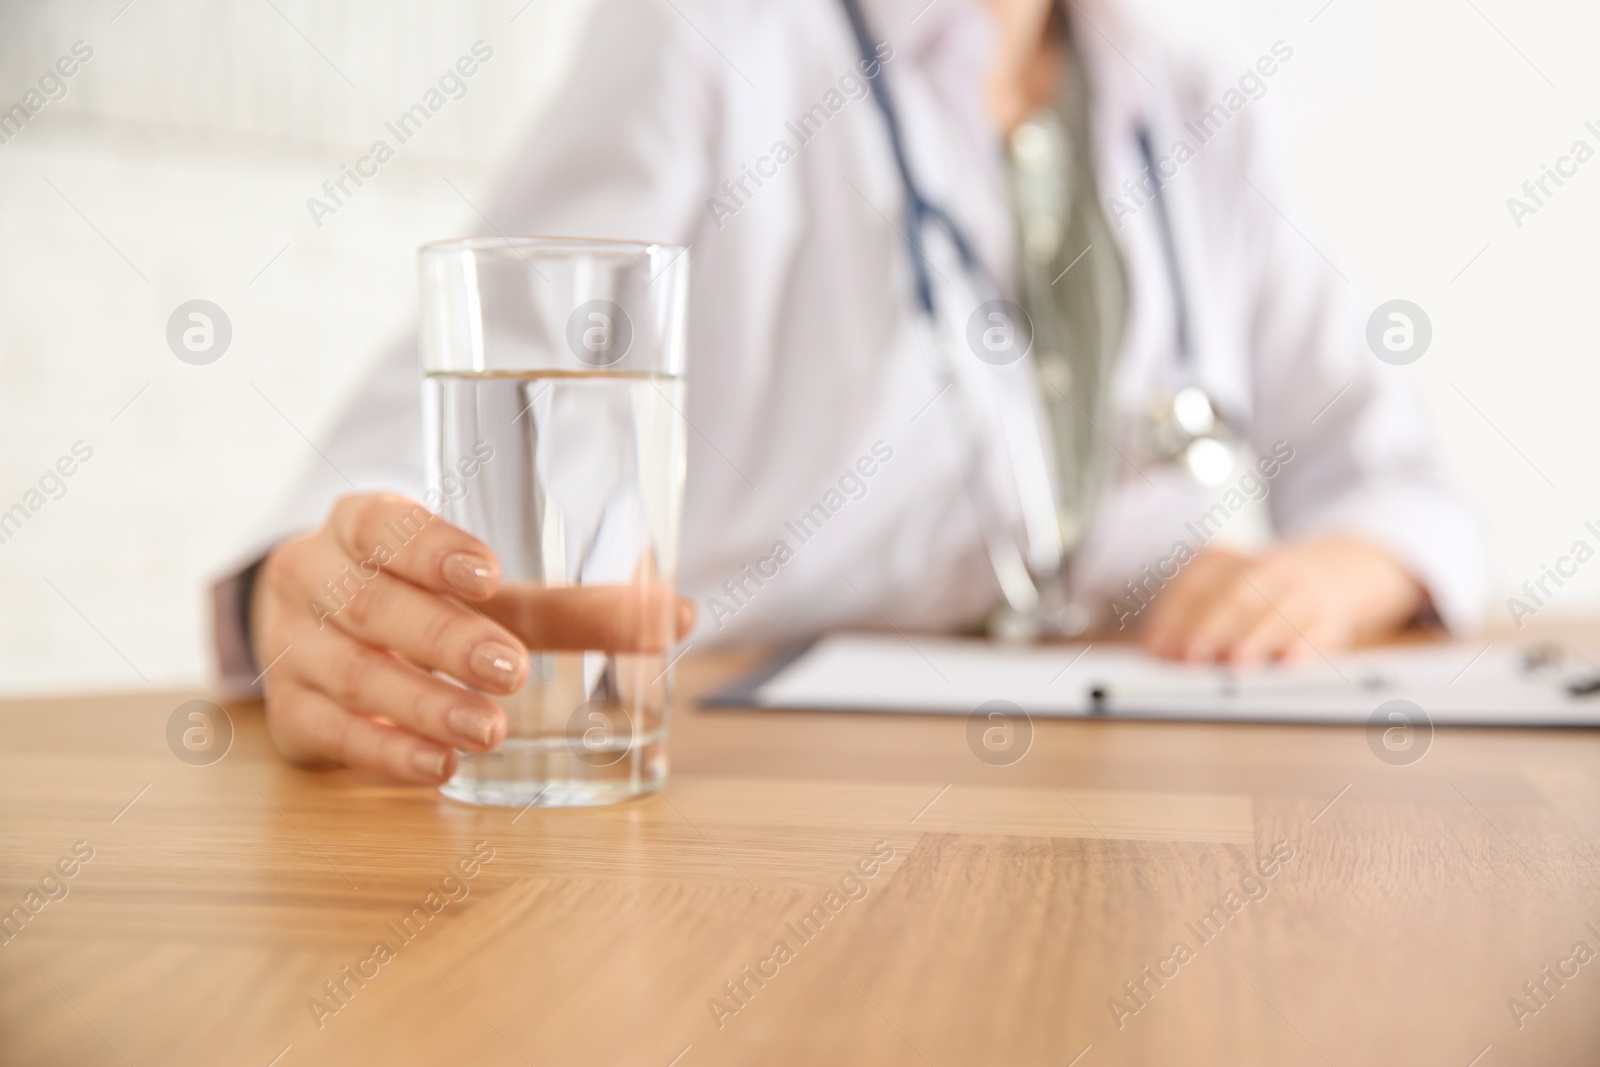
(179, 163)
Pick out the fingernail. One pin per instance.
(429, 762)
(469, 574)
(472, 725)
(496, 664)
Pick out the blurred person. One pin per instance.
(858, 179)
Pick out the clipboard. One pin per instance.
(1450, 683)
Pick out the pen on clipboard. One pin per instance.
(1538, 657)
(1100, 692)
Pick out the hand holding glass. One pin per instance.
(554, 374)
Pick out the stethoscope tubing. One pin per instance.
(919, 209)
(1169, 247)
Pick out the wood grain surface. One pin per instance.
(809, 889)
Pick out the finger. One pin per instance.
(1173, 614)
(373, 682)
(637, 617)
(1299, 651)
(312, 729)
(1235, 611)
(1192, 582)
(432, 631)
(1318, 634)
(400, 536)
(687, 614)
(1178, 611)
(1269, 637)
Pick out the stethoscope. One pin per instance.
(920, 211)
(1185, 426)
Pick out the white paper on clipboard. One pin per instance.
(1507, 684)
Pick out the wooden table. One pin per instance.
(1010, 915)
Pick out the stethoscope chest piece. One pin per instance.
(1186, 429)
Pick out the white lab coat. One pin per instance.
(807, 349)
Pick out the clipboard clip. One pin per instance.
(1584, 687)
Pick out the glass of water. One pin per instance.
(553, 398)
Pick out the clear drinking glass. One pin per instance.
(553, 393)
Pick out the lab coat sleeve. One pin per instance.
(622, 151)
(1364, 462)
